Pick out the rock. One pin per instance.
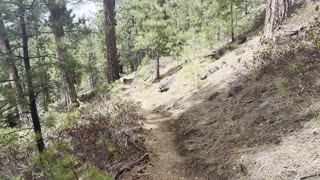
(234, 90)
(241, 39)
(165, 84)
(203, 77)
(216, 54)
(221, 51)
(213, 96)
(212, 70)
(127, 81)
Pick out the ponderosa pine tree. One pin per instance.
(58, 12)
(111, 44)
(277, 11)
(32, 98)
(14, 79)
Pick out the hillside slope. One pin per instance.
(254, 117)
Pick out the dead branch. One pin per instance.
(130, 166)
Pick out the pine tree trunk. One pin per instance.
(277, 11)
(246, 4)
(32, 97)
(232, 24)
(56, 18)
(158, 66)
(111, 46)
(12, 70)
(94, 73)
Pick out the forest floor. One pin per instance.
(235, 124)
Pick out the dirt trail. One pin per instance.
(247, 128)
(161, 110)
(165, 160)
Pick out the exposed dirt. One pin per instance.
(167, 162)
(259, 131)
(250, 134)
(162, 110)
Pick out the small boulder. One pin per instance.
(241, 39)
(165, 84)
(218, 53)
(203, 77)
(127, 81)
(212, 70)
(234, 90)
(213, 96)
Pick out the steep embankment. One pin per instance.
(265, 126)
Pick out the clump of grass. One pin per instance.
(282, 85)
(314, 123)
(294, 68)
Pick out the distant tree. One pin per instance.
(14, 79)
(59, 16)
(276, 12)
(111, 44)
(232, 20)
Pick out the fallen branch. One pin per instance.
(310, 176)
(130, 166)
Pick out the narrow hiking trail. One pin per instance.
(165, 159)
(203, 133)
(160, 111)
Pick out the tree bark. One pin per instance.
(12, 69)
(32, 97)
(232, 23)
(111, 46)
(246, 4)
(94, 73)
(158, 66)
(56, 19)
(277, 11)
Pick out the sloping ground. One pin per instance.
(250, 119)
(251, 134)
(162, 109)
(296, 158)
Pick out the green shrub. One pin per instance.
(95, 174)
(62, 120)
